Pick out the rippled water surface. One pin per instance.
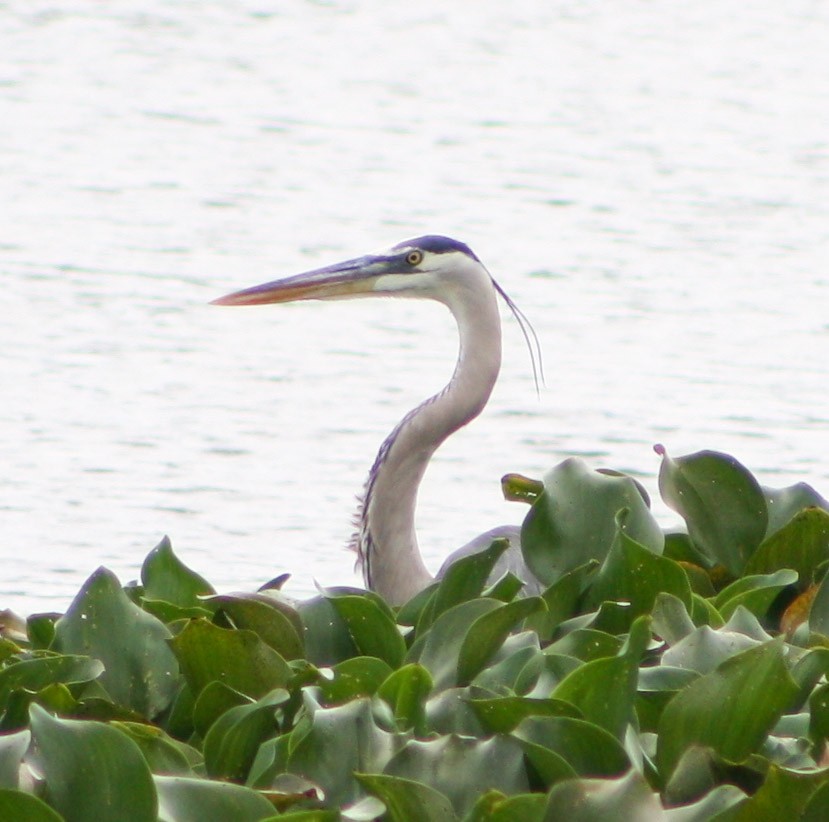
(650, 182)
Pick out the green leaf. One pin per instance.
(38, 673)
(267, 615)
(755, 593)
(493, 806)
(165, 577)
(598, 800)
(564, 747)
(487, 634)
(12, 749)
(633, 574)
(335, 743)
(462, 768)
(92, 771)
(372, 628)
(239, 659)
(406, 691)
(574, 521)
(561, 599)
(802, 545)
(234, 738)
(182, 799)
(164, 754)
(441, 646)
(360, 676)
(16, 806)
(406, 799)
(604, 689)
(326, 638)
(503, 714)
(730, 710)
(463, 580)
(785, 503)
(721, 503)
(141, 671)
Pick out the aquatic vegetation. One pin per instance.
(676, 676)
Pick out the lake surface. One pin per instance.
(649, 182)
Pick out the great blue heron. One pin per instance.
(442, 269)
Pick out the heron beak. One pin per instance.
(340, 281)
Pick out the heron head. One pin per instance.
(424, 266)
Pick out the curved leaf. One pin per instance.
(275, 622)
(182, 799)
(165, 577)
(487, 634)
(729, 710)
(564, 747)
(406, 799)
(238, 659)
(633, 574)
(17, 806)
(372, 629)
(462, 768)
(441, 646)
(406, 691)
(92, 771)
(360, 676)
(234, 738)
(755, 593)
(12, 749)
(597, 800)
(141, 672)
(574, 521)
(721, 503)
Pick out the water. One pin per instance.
(650, 182)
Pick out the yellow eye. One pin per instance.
(414, 257)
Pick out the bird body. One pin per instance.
(445, 270)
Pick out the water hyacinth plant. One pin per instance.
(677, 676)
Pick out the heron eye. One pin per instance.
(414, 257)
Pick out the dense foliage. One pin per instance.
(676, 676)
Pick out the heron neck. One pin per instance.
(392, 564)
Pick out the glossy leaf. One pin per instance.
(462, 768)
(406, 799)
(238, 659)
(802, 545)
(16, 806)
(721, 503)
(372, 628)
(406, 691)
(574, 521)
(92, 771)
(441, 647)
(164, 754)
(12, 748)
(585, 748)
(504, 713)
(360, 676)
(604, 689)
(337, 742)
(234, 738)
(141, 672)
(463, 580)
(165, 577)
(326, 637)
(594, 800)
(487, 634)
(785, 503)
(633, 574)
(183, 799)
(730, 709)
(34, 674)
(275, 622)
(755, 593)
